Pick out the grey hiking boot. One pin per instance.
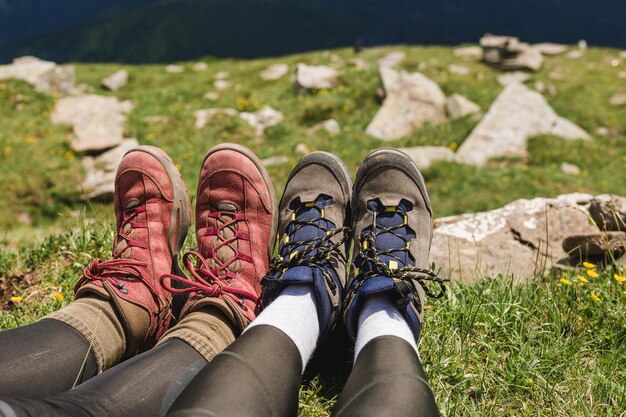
(313, 236)
(392, 234)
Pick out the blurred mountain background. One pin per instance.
(150, 31)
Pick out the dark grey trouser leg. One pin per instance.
(144, 386)
(43, 358)
(387, 380)
(258, 375)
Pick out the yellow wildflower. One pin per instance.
(589, 265)
(17, 299)
(619, 278)
(58, 296)
(583, 279)
(454, 146)
(592, 273)
(566, 281)
(594, 296)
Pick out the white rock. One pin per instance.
(221, 85)
(330, 126)
(459, 106)
(575, 54)
(424, 156)
(391, 59)
(301, 148)
(221, 75)
(275, 160)
(473, 52)
(174, 69)
(116, 80)
(204, 116)
(459, 69)
(212, 95)
(512, 77)
(262, 119)
(411, 100)
(550, 49)
(570, 169)
(275, 72)
(516, 115)
(508, 53)
(45, 76)
(100, 179)
(315, 77)
(618, 99)
(603, 131)
(98, 121)
(582, 45)
(200, 66)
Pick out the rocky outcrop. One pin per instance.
(516, 115)
(45, 76)
(411, 99)
(116, 80)
(98, 121)
(520, 240)
(99, 182)
(508, 53)
(550, 49)
(274, 72)
(391, 59)
(315, 77)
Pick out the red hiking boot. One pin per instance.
(235, 226)
(153, 215)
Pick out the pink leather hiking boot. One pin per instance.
(236, 229)
(153, 215)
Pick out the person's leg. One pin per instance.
(120, 307)
(145, 385)
(384, 307)
(259, 374)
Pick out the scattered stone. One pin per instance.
(570, 169)
(100, 180)
(550, 49)
(520, 240)
(221, 85)
(200, 66)
(516, 115)
(330, 126)
(582, 45)
(424, 156)
(470, 52)
(98, 121)
(575, 54)
(512, 77)
(156, 119)
(608, 211)
(391, 59)
(275, 160)
(507, 53)
(262, 119)
(275, 72)
(204, 116)
(411, 100)
(603, 131)
(459, 69)
(116, 80)
(221, 75)
(174, 69)
(315, 77)
(212, 95)
(618, 99)
(45, 76)
(459, 106)
(301, 148)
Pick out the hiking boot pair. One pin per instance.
(388, 218)
(235, 222)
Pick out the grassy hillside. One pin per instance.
(544, 348)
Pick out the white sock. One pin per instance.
(294, 312)
(379, 317)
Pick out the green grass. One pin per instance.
(541, 348)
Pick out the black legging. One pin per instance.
(259, 375)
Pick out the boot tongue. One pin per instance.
(127, 230)
(225, 253)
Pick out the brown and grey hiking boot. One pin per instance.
(313, 236)
(392, 234)
(235, 227)
(152, 215)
